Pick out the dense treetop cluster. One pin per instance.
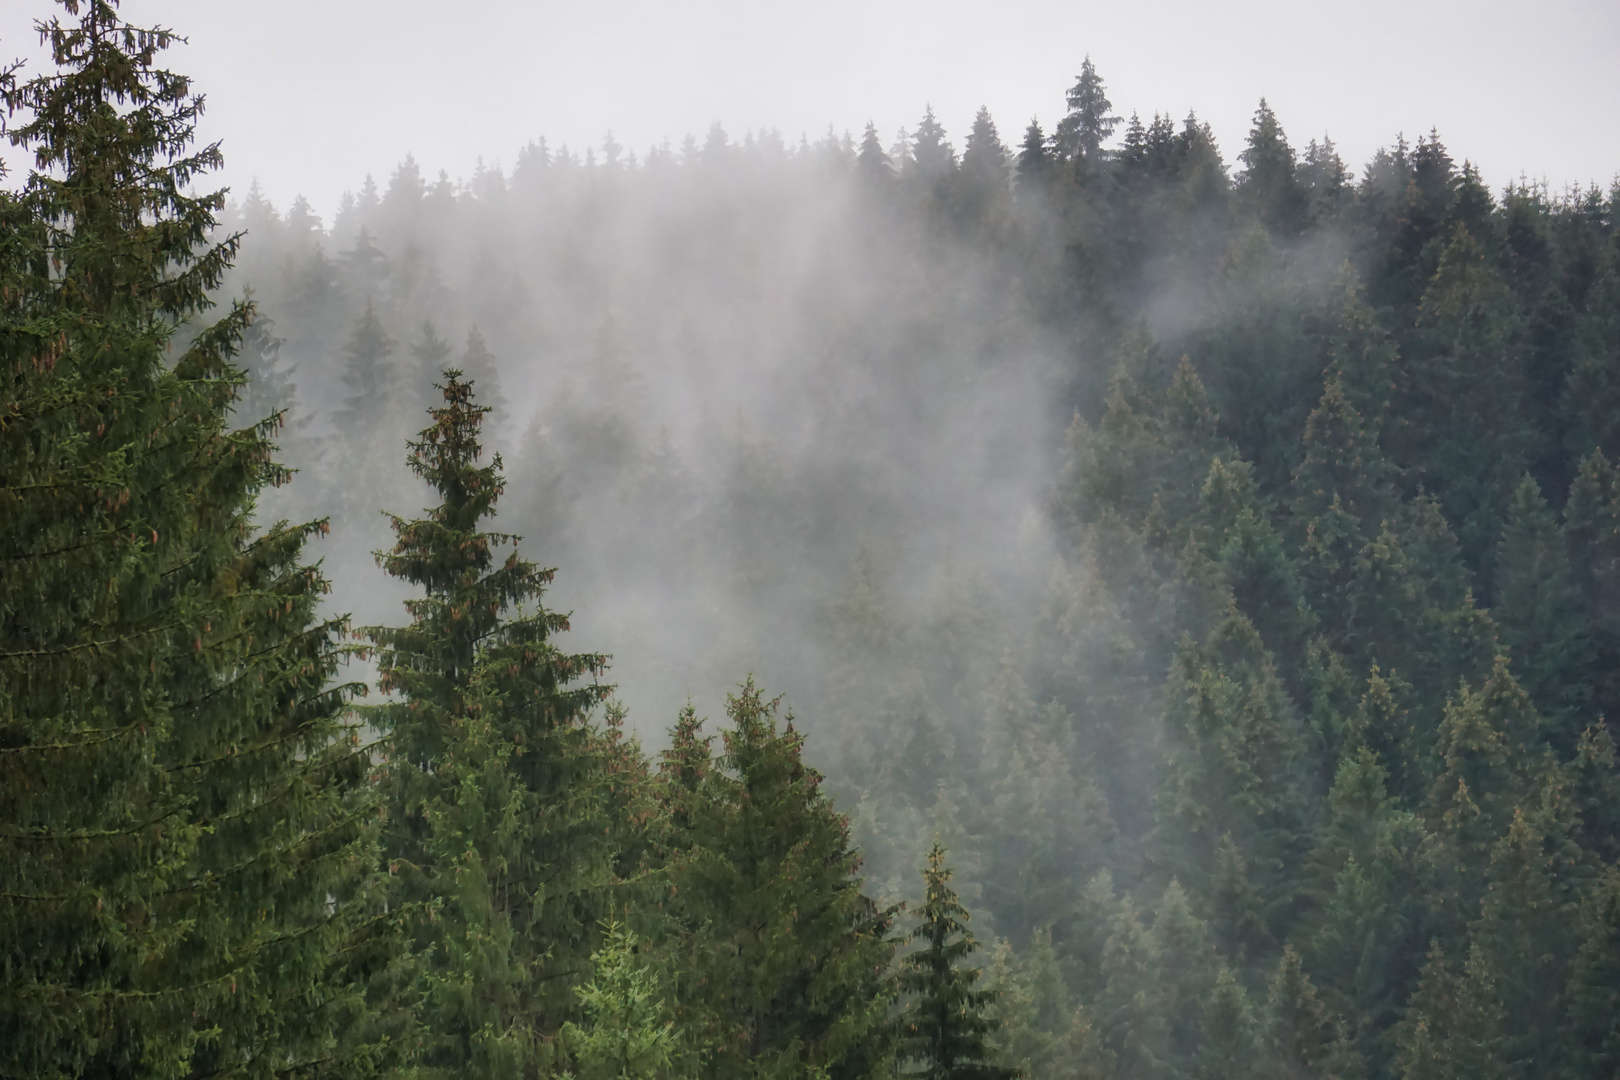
(1219, 562)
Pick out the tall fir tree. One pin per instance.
(497, 819)
(1540, 621)
(1090, 120)
(1269, 183)
(944, 1031)
(187, 849)
(784, 958)
(368, 374)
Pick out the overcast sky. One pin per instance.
(311, 95)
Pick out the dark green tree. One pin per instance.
(1034, 164)
(932, 157)
(1592, 533)
(368, 374)
(1090, 120)
(1469, 436)
(498, 824)
(1303, 1037)
(1269, 183)
(944, 1032)
(1593, 1034)
(478, 364)
(187, 847)
(1231, 809)
(1540, 621)
(784, 957)
(872, 161)
(430, 356)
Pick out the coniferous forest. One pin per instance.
(1078, 602)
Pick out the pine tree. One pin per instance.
(784, 956)
(497, 820)
(872, 163)
(1469, 390)
(1269, 184)
(1451, 1029)
(1136, 999)
(1489, 742)
(1231, 811)
(1235, 533)
(478, 364)
(624, 1033)
(1591, 394)
(368, 374)
(186, 857)
(1230, 1044)
(1536, 610)
(1303, 1037)
(1189, 970)
(1034, 163)
(983, 181)
(430, 354)
(365, 262)
(943, 1032)
(1343, 491)
(1592, 533)
(1364, 935)
(1363, 357)
(1593, 1034)
(1524, 936)
(932, 159)
(1089, 122)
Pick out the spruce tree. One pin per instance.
(625, 1033)
(368, 374)
(1593, 1031)
(872, 163)
(1343, 491)
(1537, 612)
(1452, 1026)
(1592, 533)
(1525, 935)
(430, 355)
(1090, 120)
(944, 1032)
(478, 364)
(1363, 937)
(1469, 394)
(1269, 184)
(498, 822)
(1303, 1038)
(932, 157)
(1231, 811)
(1490, 743)
(187, 854)
(1034, 162)
(784, 956)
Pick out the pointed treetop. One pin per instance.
(1090, 120)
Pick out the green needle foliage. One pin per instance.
(944, 1030)
(1304, 672)
(495, 798)
(783, 955)
(186, 835)
(625, 1034)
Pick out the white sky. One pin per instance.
(310, 95)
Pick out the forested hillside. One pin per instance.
(1199, 565)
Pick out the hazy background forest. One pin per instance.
(1214, 547)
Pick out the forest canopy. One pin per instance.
(1160, 603)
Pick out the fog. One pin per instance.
(744, 396)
